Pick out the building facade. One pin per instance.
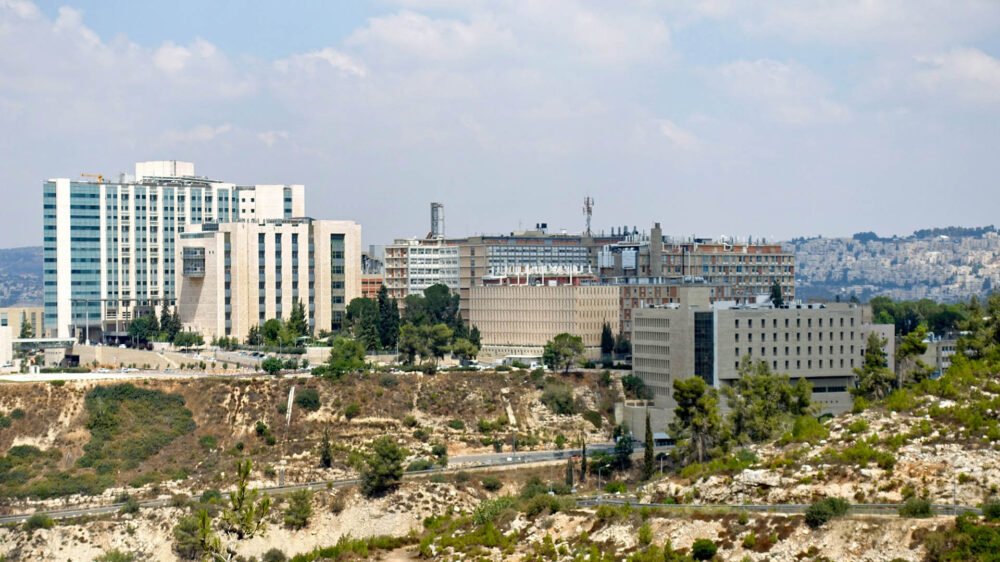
(412, 265)
(13, 316)
(821, 343)
(109, 245)
(238, 275)
(517, 320)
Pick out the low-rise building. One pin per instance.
(240, 274)
(518, 319)
(13, 316)
(695, 337)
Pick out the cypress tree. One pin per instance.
(647, 460)
(583, 459)
(569, 473)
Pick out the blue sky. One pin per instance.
(779, 119)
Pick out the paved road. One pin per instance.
(862, 508)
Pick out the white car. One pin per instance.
(103, 370)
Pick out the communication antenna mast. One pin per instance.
(588, 210)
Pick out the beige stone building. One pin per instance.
(237, 275)
(11, 316)
(517, 320)
(822, 343)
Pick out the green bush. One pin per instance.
(558, 398)
(38, 521)
(824, 510)
(207, 442)
(491, 483)
(308, 399)
(389, 380)
(410, 421)
(916, 508)
(439, 450)
(352, 411)
(299, 509)
(749, 540)
(488, 510)
(420, 464)
(130, 507)
(210, 496)
(274, 555)
(116, 556)
(594, 417)
(456, 424)
(991, 509)
(858, 426)
(17, 414)
(703, 549)
(615, 487)
(860, 405)
(645, 534)
(807, 429)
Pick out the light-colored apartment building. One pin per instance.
(109, 244)
(822, 343)
(238, 275)
(414, 264)
(517, 320)
(14, 315)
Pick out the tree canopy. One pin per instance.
(697, 427)
(874, 380)
(763, 404)
(383, 468)
(563, 351)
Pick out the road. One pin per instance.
(459, 463)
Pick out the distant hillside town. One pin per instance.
(941, 264)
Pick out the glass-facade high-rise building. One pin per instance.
(109, 246)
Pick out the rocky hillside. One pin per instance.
(21, 276)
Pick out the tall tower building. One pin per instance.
(109, 245)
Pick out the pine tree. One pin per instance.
(297, 319)
(475, 337)
(27, 330)
(648, 465)
(388, 318)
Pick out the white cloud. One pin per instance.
(967, 74)
(171, 58)
(854, 23)
(790, 92)
(314, 61)
(199, 134)
(407, 34)
(678, 136)
(271, 137)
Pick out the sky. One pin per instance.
(772, 119)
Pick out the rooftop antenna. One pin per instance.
(588, 210)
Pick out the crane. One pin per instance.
(100, 177)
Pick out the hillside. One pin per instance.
(944, 265)
(21, 276)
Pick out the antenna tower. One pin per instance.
(588, 210)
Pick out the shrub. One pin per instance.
(860, 405)
(389, 380)
(186, 540)
(17, 414)
(991, 509)
(538, 378)
(38, 521)
(439, 450)
(260, 429)
(488, 510)
(491, 483)
(807, 429)
(858, 426)
(207, 442)
(456, 424)
(270, 440)
(410, 421)
(703, 549)
(824, 510)
(352, 411)
(299, 509)
(116, 556)
(749, 540)
(462, 477)
(274, 555)
(645, 534)
(558, 398)
(594, 417)
(210, 496)
(308, 399)
(130, 507)
(615, 487)
(420, 464)
(916, 507)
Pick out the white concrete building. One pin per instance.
(237, 275)
(108, 245)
